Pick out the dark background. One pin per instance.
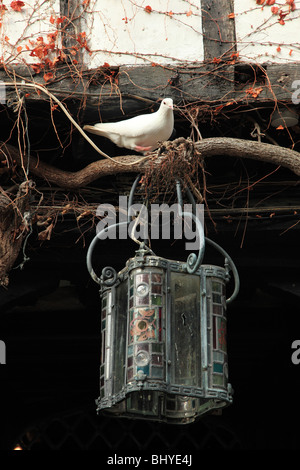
(52, 336)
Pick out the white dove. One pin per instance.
(140, 133)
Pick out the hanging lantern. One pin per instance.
(163, 328)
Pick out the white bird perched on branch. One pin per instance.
(141, 133)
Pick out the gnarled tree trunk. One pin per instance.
(13, 228)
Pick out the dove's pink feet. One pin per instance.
(139, 148)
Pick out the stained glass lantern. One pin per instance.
(163, 328)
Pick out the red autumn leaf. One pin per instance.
(148, 9)
(283, 14)
(281, 21)
(231, 15)
(280, 127)
(270, 2)
(290, 53)
(60, 20)
(48, 76)
(216, 60)
(17, 5)
(278, 49)
(274, 10)
(19, 48)
(260, 2)
(37, 68)
(189, 13)
(55, 60)
(291, 4)
(52, 36)
(6, 38)
(254, 92)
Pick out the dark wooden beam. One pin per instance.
(144, 85)
(218, 29)
(70, 9)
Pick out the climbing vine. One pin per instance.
(98, 50)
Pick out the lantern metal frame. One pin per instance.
(137, 378)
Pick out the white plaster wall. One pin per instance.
(123, 33)
(260, 36)
(18, 28)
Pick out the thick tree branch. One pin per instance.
(216, 146)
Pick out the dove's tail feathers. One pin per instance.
(94, 130)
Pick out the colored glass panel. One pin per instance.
(142, 347)
(130, 361)
(129, 374)
(219, 333)
(139, 278)
(156, 289)
(217, 309)
(143, 325)
(217, 379)
(156, 347)
(156, 359)
(214, 333)
(144, 369)
(155, 277)
(217, 298)
(222, 334)
(217, 367)
(157, 372)
(156, 299)
(142, 300)
(216, 286)
(185, 327)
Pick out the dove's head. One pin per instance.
(167, 103)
